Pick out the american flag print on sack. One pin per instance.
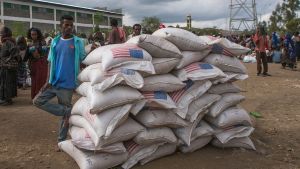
(130, 146)
(179, 93)
(119, 70)
(127, 71)
(197, 66)
(128, 52)
(218, 49)
(156, 95)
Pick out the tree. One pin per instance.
(150, 24)
(98, 18)
(293, 25)
(18, 28)
(283, 18)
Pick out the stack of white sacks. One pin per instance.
(156, 94)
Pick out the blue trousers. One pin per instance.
(62, 108)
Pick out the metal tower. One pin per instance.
(242, 15)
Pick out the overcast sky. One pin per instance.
(205, 13)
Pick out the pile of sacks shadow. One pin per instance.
(155, 95)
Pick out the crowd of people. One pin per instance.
(53, 63)
(284, 48)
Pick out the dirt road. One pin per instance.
(28, 135)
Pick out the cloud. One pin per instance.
(204, 12)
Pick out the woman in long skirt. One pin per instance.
(9, 58)
(37, 54)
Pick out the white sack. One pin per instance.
(224, 88)
(102, 80)
(127, 56)
(226, 134)
(165, 82)
(159, 47)
(226, 47)
(191, 92)
(227, 100)
(112, 97)
(164, 65)
(231, 116)
(159, 99)
(202, 129)
(185, 133)
(162, 151)
(243, 142)
(199, 71)
(226, 63)
(183, 39)
(196, 144)
(96, 55)
(160, 118)
(231, 77)
(191, 57)
(126, 131)
(138, 152)
(208, 39)
(199, 105)
(105, 122)
(91, 160)
(82, 140)
(130, 77)
(155, 135)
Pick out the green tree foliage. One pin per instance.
(150, 24)
(283, 18)
(98, 18)
(18, 29)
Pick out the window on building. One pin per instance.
(60, 13)
(84, 18)
(42, 13)
(17, 27)
(118, 19)
(16, 10)
(44, 27)
(104, 21)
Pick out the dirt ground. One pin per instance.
(28, 135)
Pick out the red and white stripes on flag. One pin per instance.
(177, 94)
(192, 67)
(130, 146)
(125, 51)
(149, 95)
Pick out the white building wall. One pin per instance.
(54, 21)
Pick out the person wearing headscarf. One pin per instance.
(9, 59)
(289, 55)
(275, 41)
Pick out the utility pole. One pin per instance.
(189, 21)
(242, 15)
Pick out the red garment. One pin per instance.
(161, 26)
(261, 43)
(39, 72)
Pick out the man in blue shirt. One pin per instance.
(65, 55)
